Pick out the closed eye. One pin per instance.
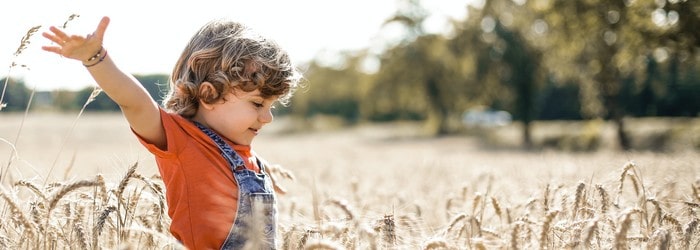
(257, 104)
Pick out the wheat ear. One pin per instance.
(65, 190)
(17, 214)
(545, 228)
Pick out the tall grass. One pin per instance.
(87, 214)
(24, 43)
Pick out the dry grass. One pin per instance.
(87, 214)
(361, 188)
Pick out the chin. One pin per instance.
(244, 142)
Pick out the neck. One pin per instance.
(198, 117)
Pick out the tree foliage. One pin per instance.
(331, 90)
(543, 59)
(16, 95)
(155, 84)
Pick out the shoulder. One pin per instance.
(180, 132)
(172, 118)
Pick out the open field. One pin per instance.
(374, 186)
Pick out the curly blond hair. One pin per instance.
(229, 55)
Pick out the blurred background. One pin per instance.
(575, 75)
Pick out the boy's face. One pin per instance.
(239, 116)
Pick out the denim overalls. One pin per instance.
(257, 209)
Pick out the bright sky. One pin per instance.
(147, 36)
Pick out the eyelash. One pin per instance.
(257, 105)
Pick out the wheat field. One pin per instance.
(87, 184)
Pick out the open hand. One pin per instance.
(75, 46)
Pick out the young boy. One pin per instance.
(221, 94)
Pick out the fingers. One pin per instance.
(61, 37)
(58, 33)
(53, 38)
(53, 49)
(101, 27)
(74, 44)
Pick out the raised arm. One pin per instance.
(139, 108)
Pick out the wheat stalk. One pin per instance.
(344, 206)
(515, 235)
(95, 92)
(97, 230)
(454, 222)
(24, 43)
(388, 228)
(604, 198)
(590, 231)
(662, 238)
(155, 188)
(17, 214)
(32, 187)
(56, 197)
(621, 235)
(475, 202)
(689, 232)
(668, 218)
(545, 201)
(546, 228)
(411, 224)
(580, 189)
(80, 233)
(70, 18)
(305, 237)
(626, 168)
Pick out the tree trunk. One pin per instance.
(527, 136)
(439, 115)
(623, 139)
(617, 115)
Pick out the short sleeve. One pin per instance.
(174, 137)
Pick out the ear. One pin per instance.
(206, 93)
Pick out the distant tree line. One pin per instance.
(17, 96)
(539, 60)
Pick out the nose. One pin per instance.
(265, 115)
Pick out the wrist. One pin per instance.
(95, 59)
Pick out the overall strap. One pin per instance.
(234, 160)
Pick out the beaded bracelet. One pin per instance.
(94, 57)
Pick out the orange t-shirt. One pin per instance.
(201, 193)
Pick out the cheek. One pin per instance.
(247, 115)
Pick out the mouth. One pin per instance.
(254, 130)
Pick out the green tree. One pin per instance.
(153, 83)
(506, 61)
(613, 42)
(596, 57)
(16, 94)
(64, 100)
(671, 36)
(331, 89)
(419, 78)
(101, 102)
(558, 101)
